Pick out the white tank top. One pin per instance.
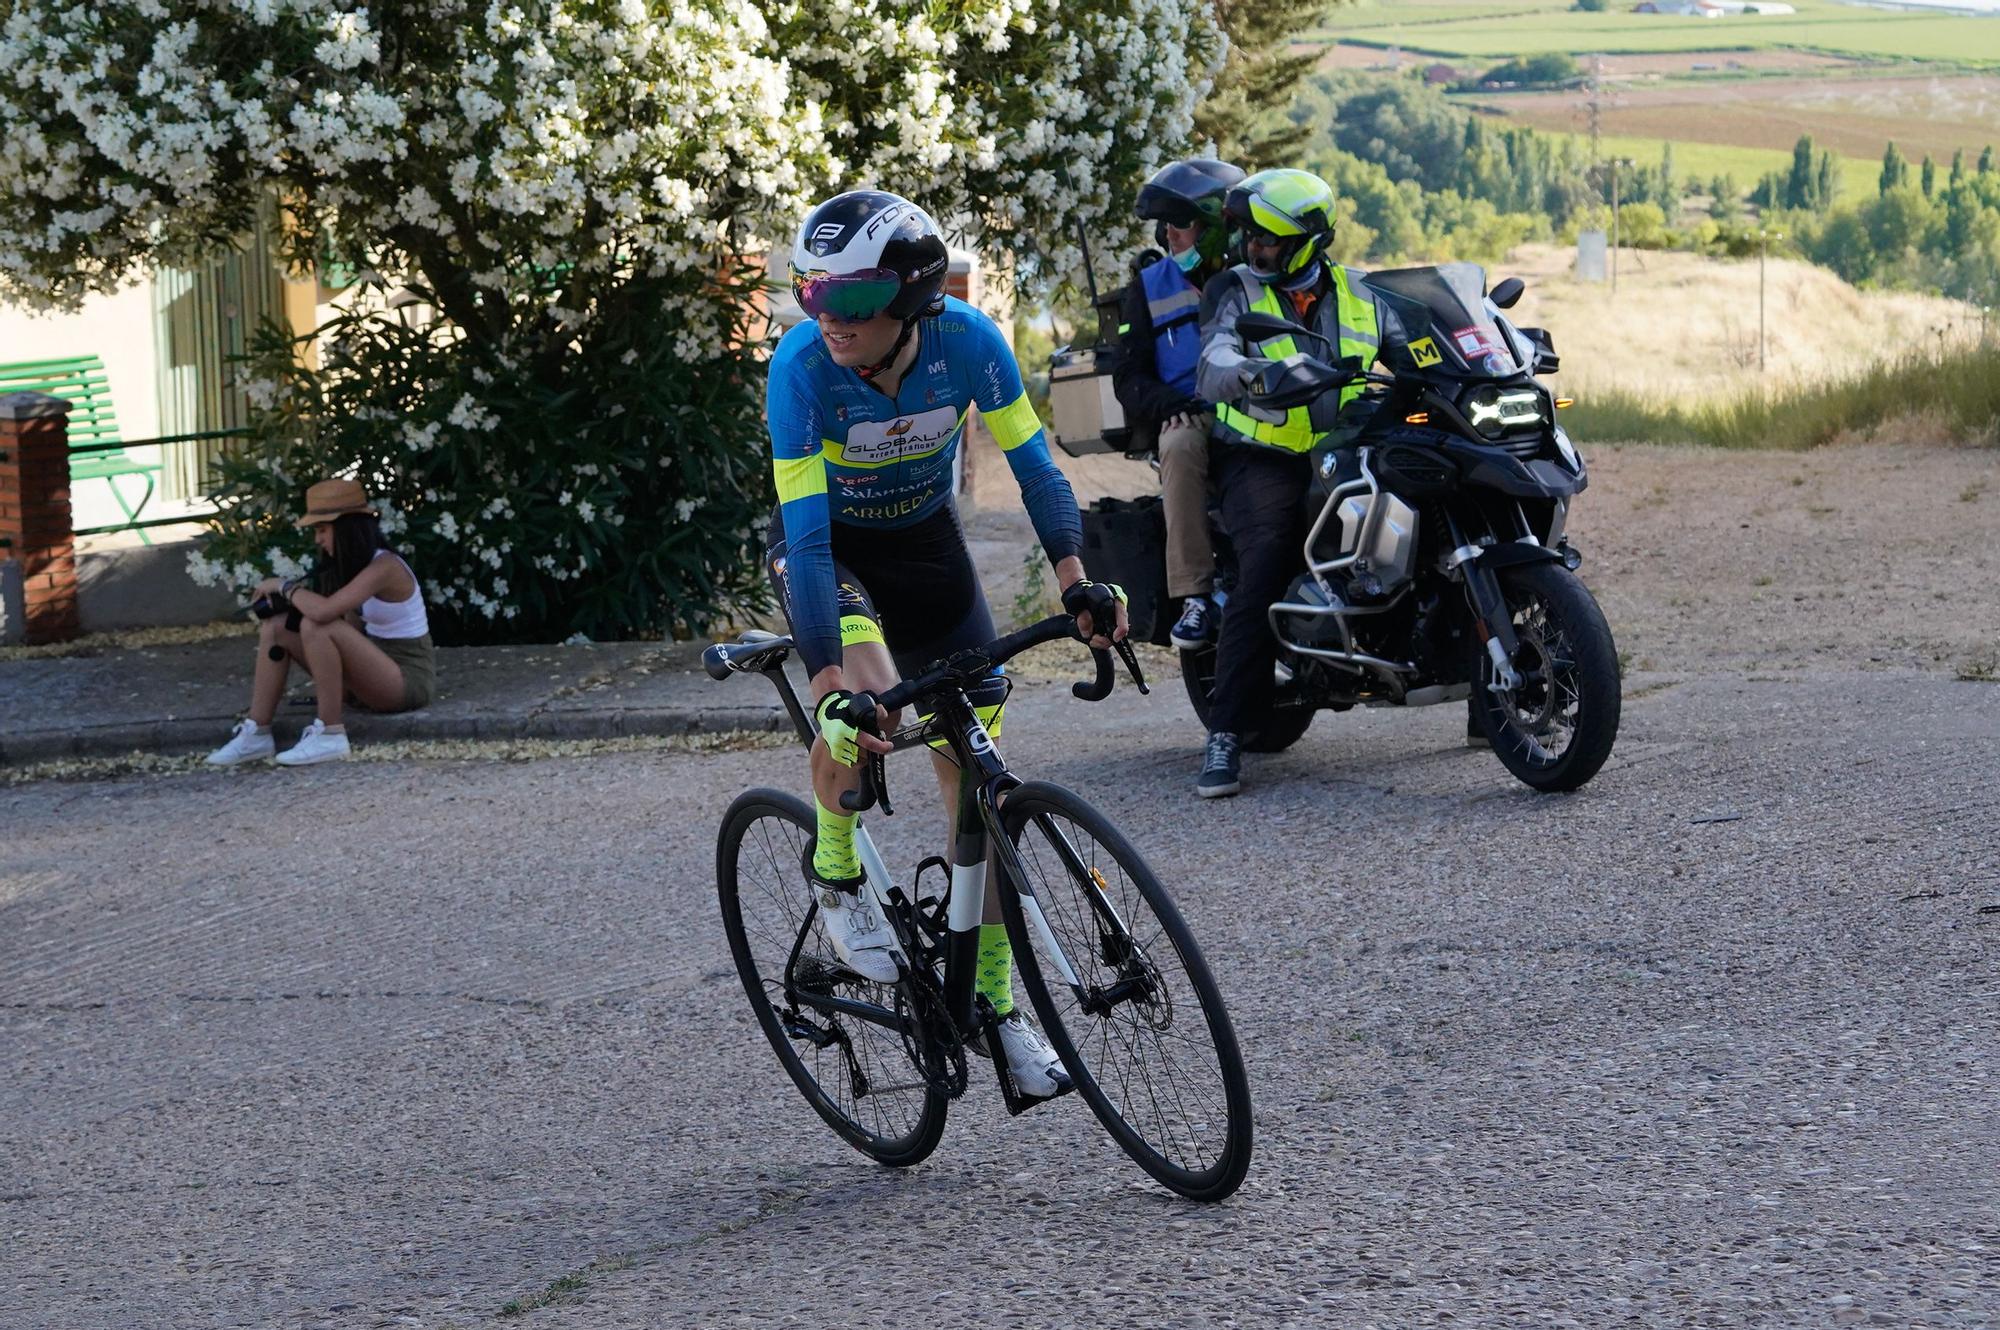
(394, 619)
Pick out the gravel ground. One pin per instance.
(1710, 1043)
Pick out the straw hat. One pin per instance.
(335, 498)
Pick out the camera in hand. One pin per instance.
(269, 604)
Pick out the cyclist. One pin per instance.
(866, 404)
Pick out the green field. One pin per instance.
(1503, 29)
(1702, 162)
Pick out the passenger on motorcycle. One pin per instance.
(867, 402)
(1282, 221)
(1160, 342)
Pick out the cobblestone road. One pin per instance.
(1710, 1044)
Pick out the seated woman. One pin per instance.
(385, 664)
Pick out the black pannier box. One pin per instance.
(1125, 541)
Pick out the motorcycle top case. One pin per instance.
(1125, 541)
(1088, 416)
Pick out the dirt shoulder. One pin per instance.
(1874, 556)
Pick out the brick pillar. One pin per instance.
(37, 549)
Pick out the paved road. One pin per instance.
(1711, 1044)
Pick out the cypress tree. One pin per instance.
(1929, 176)
(1244, 113)
(1895, 171)
(1799, 184)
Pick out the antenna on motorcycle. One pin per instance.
(1089, 271)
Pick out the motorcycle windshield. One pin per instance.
(1445, 326)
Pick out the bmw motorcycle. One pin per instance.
(1436, 568)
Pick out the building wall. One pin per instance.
(119, 329)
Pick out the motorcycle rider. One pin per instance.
(1161, 340)
(1283, 221)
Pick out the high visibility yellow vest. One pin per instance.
(1358, 335)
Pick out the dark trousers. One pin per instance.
(1262, 491)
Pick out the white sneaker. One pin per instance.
(865, 942)
(1035, 1067)
(315, 745)
(246, 745)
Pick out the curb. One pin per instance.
(183, 734)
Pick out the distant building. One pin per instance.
(1712, 8)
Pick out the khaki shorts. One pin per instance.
(417, 659)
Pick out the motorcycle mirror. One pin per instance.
(1505, 294)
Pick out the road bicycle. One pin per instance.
(1110, 966)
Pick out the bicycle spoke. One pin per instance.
(773, 902)
(1167, 1083)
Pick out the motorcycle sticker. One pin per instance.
(1424, 351)
(1473, 342)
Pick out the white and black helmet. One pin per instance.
(867, 252)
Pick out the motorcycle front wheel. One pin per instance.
(1555, 731)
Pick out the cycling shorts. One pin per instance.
(911, 588)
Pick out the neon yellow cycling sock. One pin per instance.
(995, 977)
(834, 858)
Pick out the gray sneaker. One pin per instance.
(1221, 767)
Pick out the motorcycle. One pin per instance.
(1436, 567)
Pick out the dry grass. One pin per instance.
(132, 639)
(1682, 325)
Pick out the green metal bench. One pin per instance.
(96, 451)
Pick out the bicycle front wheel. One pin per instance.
(1123, 991)
(850, 1064)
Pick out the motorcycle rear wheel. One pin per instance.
(1285, 726)
(1555, 731)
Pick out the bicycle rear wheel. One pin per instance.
(1142, 1028)
(853, 1071)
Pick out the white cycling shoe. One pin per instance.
(864, 942)
(1036, 1069)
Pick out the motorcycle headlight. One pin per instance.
(1493, 411)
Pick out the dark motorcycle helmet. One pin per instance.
(1190, 193)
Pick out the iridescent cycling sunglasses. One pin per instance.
(850, 297)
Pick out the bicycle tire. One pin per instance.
(1073, 920)
(775, 828)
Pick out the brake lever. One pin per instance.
(1131, 659)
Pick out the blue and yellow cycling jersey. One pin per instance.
(847, 453)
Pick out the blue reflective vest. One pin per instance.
(1174, 305)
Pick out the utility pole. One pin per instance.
(1763, 243)
(1614, 225)
(1594, 107)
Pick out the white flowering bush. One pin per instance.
(580, 190)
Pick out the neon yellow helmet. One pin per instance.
(1294, 206)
